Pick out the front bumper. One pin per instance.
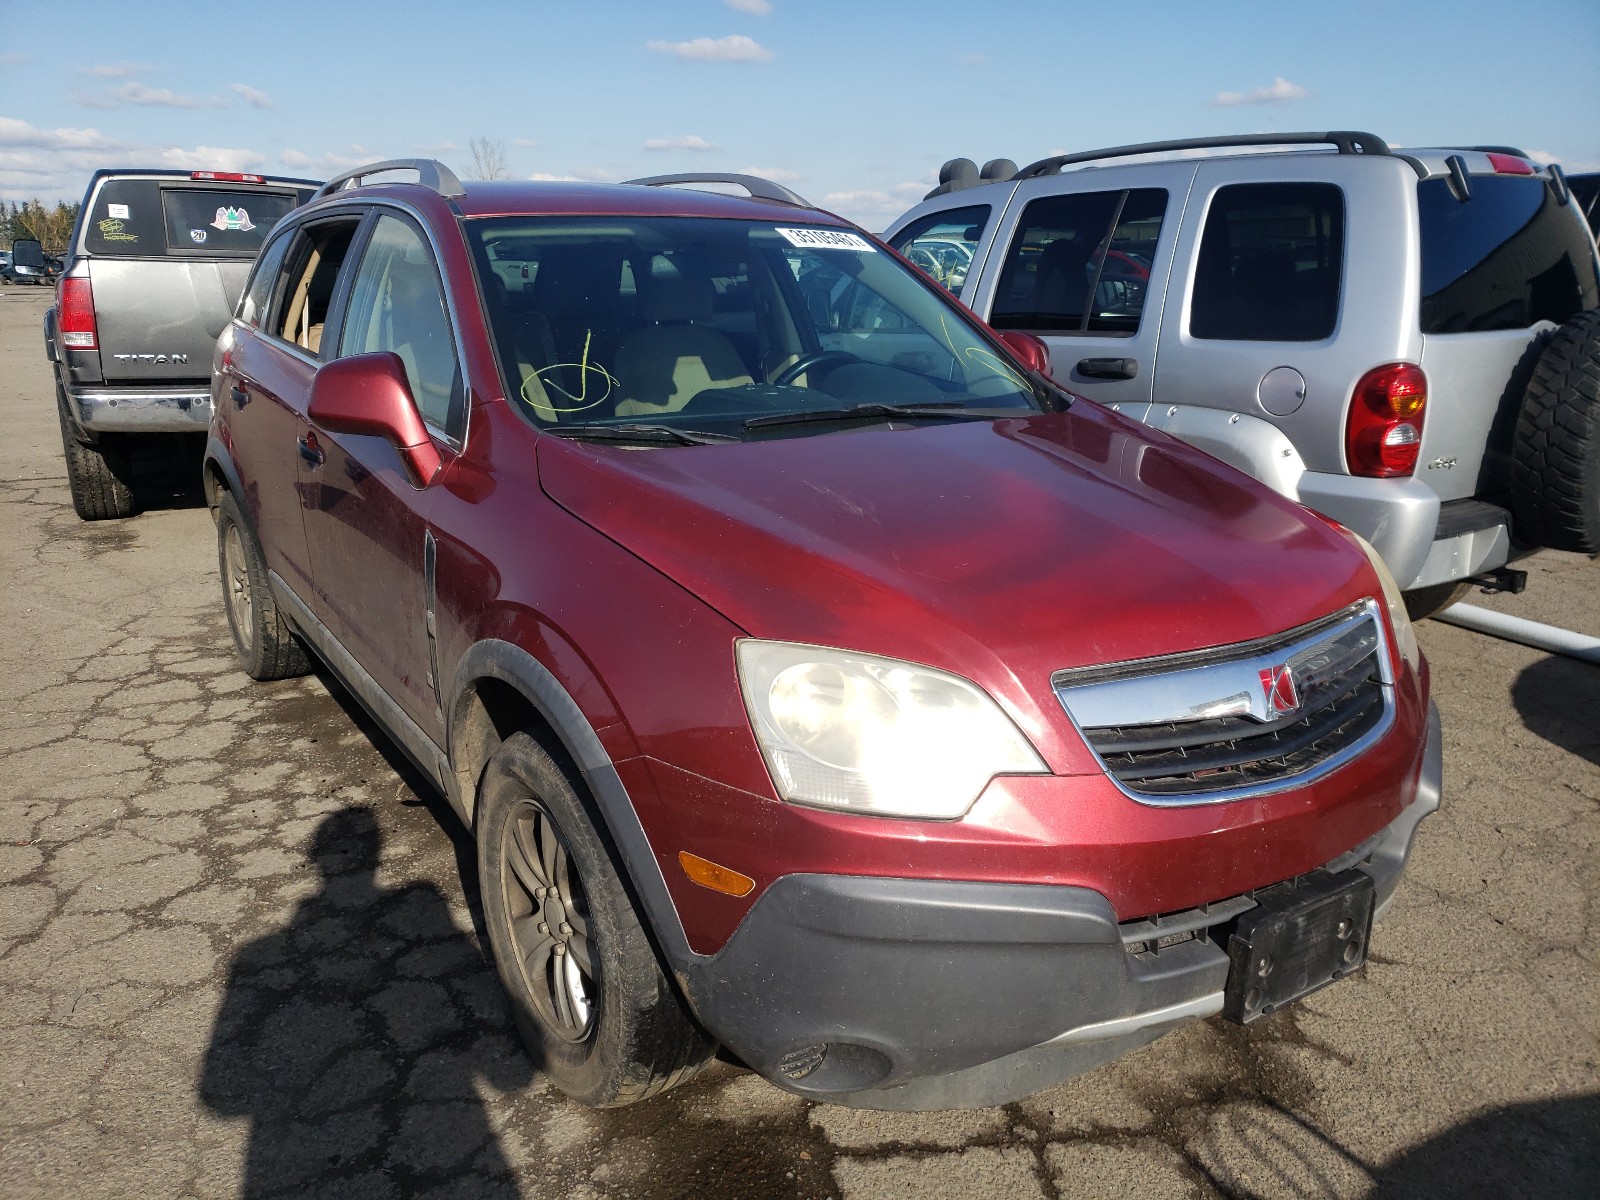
(926, 994)
(141, 410)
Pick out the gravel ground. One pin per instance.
(239, 955)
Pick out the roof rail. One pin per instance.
(430, 174)
(1344, 140)
(760, 189)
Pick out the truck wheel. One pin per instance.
(1429, 601)
(100, 477)
(590, 1001)
(1555, 459)
(266, 647)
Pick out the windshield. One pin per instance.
(607, 326)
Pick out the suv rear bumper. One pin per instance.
(928, 994)
(141, 410)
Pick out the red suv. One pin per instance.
(820, 679)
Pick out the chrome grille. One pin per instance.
(1241, 720)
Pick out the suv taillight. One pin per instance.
(75, 312)
(1383, 433)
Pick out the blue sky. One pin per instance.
(854, 105)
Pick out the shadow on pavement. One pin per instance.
(1546, 1149)
(352, 1040)
(1557, 699)
(166, 471)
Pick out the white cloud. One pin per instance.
(776, 174)
(524, 142)
(1572, 166)
(756, 8)
(974, 60)
(254, 97)
(16, 133)
(736, 48)
(688, 141)
(438, 148)
(546, 177)
(141, 96)
(210, 158)
(1279, 91)
(329, 163)
(295, 158)
(874, 208)
(578, 175)
(124, 70)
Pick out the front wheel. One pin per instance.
(590, 1001)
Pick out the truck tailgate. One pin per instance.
(158, 319)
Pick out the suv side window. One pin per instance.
(1270, 265)
(1081, 263)
(942, 244)
(257, 296)
(313, 270)
(397, 304)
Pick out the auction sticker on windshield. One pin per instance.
(826, 239)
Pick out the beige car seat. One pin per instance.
(664, 365)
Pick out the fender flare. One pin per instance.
(217, 456)
(515, 667)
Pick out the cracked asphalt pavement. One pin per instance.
(239, 953)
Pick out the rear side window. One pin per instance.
(125, 218)
(942, 244)
(257, 297)
(227, 221)
(1505, 259)
(1081, 263)
(312, 271)
(1271, 260)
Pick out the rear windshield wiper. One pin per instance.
(597, 432)
(953, 410)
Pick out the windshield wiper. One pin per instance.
(953, 410)
(597, 432)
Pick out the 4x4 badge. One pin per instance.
(1277, 685)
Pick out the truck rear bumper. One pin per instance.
(142, 410)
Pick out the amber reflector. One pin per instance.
(719, 879)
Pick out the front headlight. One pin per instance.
(874, 735)
(1405, 637)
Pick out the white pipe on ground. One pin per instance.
(1518, 629)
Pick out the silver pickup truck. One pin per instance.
(154, 269)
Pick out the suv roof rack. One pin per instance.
(430, 174)
(759, 188)
(1346, 141)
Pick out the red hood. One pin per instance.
(1002, 551)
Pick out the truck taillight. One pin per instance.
(1383, 433)
(75, 312)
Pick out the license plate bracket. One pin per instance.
(1300, 937)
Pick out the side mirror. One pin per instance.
(1031, 351)
(27, 252)
(368, 394)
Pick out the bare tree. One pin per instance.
(489, 158)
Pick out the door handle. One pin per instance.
(310, 451)
(1108, 368)
(241, 397)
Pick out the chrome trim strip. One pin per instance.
(1198, 692)
(1208, 1005)
(143, 410)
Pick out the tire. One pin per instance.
(590, 1000)
(266, 647)
(1555, 458)
(100, 477)
(1430, 601)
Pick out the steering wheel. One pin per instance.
(805, 362)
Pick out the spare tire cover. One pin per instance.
(1555, 458)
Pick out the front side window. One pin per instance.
(942, 244)
(1080, 263)
(730, 328)
(1506, 258)
(397, 304)
(1270, 266)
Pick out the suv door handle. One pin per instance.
(241, 396)
(310, 451)
(1108, 368)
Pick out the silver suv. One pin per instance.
(1406, 341)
